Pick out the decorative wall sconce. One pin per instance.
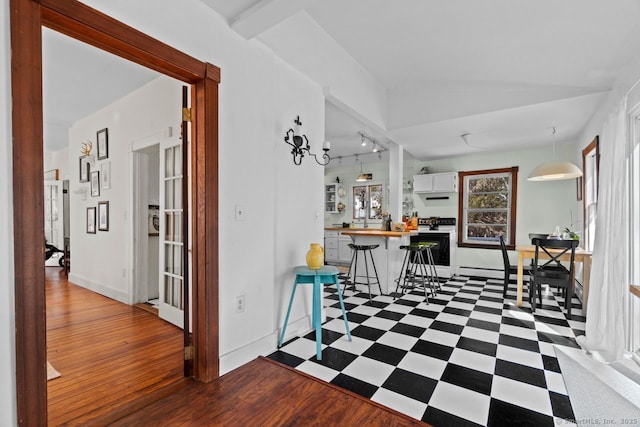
(296, 139)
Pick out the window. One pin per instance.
(367, 196)
(487, 207)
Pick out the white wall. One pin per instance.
(58, 160)
(8, 414)
(100, 261)
(541, 206)
(259, 98)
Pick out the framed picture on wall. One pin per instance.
(91, 220)
(103, 143)
(105, 175)
(103, 216)
(95, 183)
(85, 168)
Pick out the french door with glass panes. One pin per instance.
(53, 220)
(172, 268)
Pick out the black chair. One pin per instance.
(537, 236)
(548, 269)
(508, 268)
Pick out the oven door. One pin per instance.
(441, 251)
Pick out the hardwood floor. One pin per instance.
(109, 354)
(122, 366)
(266, 393)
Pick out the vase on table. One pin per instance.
(315, 256)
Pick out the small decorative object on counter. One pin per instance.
(315, 256)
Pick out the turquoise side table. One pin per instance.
(327, 274)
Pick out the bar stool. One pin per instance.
(431, 264)
(417, 271)
(353, 275)
(327, 274)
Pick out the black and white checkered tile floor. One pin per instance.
(469, 357)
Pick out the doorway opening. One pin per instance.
(79, 21)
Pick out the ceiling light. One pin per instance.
(363, 141)
(554, 170)
(375, 147)
(364, 176)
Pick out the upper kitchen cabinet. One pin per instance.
(436, 183)
(333, 195)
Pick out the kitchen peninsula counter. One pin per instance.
(388, 255)
(374, 232)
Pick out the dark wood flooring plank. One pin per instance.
(265, 393)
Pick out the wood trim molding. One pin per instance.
(79, 21)
(28, 213)
(205, 230)
(593, 145)
(83, 23)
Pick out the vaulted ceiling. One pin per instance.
(505, 72)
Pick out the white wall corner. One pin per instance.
(122, 297)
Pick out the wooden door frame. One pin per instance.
(83, 23)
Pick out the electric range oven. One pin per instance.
(443, 232)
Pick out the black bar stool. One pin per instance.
(417, 271)
(353, 276)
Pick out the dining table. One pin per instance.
(581, 255)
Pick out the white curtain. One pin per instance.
(608, 283)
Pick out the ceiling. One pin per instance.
(505, 72)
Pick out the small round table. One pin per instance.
(327, 274)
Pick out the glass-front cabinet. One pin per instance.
(331, 198)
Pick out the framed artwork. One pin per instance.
(91, 220)
(103, 143)
(85, 168)
(95, 184)
(105, 175)
(103, 216)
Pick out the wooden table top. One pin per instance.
(532, 248)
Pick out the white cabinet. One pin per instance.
(331, 246)
(331, 198)
(336, 247)
(436, 183)
(344, 251)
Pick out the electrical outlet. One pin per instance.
(240, 304)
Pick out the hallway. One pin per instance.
(108, 353)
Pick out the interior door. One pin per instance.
(171, 232)
(53, 213)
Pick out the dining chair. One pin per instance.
(537, 236)
(548, 269)
(508, 268)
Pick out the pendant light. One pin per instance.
(364, 176)
(554, 170)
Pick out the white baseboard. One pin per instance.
(120, 296)
(263, 346)
(481, 272)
